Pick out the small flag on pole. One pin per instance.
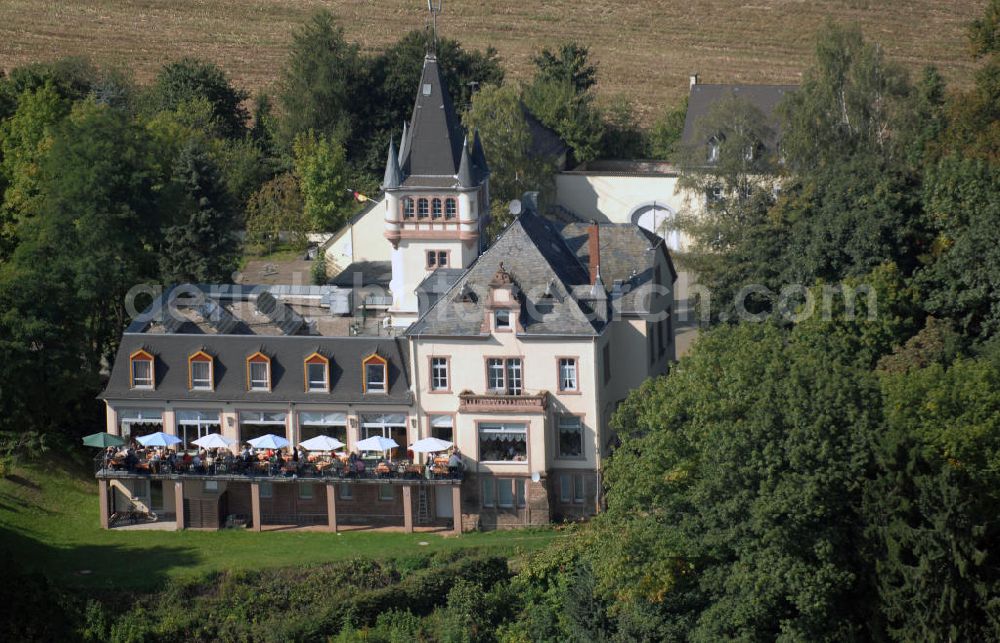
(360, 198)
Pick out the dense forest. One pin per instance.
(796, 477)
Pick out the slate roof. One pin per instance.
(628, 261)
(287, 358)
(436, 284)
(764, 97)
(433, 145)
(431, 150)
(544, 140)
(373, 273)
(537, 257)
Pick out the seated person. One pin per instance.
(455, 462)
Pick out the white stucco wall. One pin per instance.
(467, 360)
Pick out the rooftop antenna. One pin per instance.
(434, 9)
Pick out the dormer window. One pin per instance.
(200, 371)
(258, 372)
(142, 374)
(713, 150)
(407, 208)
(450, 208)
(436, 210)
(501, 319)
(375, 369)
(317, 374)
(422, 208)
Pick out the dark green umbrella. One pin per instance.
(103, 440)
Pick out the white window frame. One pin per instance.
(512, 375)
(146, 381)
(502, 319)
(318, 386)
(569, 368)
(520, 428)
(380, 385)
(439, 374)
(201, 383)
(256, 384)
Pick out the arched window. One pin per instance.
(422, 208)
(407, 208)
(450, 208)
(200, 371)
(436, 209)
(141, 372)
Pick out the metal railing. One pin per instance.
(236, 468)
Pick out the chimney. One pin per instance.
(594, 251)
(694, 80)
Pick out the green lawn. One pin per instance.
(49, 524)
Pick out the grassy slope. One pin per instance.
(646, 48)
(48, 524)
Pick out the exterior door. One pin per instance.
(442, 502)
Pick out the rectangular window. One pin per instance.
(505, 375)
(305, 492)
(346, 492)
(567, 374)
(565, 488)
(442, 427)
(495, 374)
(142, 373)
(317, 376)
(488, 487)
(519, 492)
(201, 375)
(514, 376)
(386, 492)
(266, 490)
(259, 377)
(501, 319)
(439, 373)
(570, 437)
(211, 485)
(375, 378)
(437, 259)
(578, 491)
(503, 443)
(505, 493)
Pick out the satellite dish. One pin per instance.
(535, 476)
(515, 207)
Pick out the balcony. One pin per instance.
(502, 403)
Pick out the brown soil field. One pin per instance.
(645, 49)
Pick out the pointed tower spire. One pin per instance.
(402, 144)
(479, 154)
(393, 176)
(465, 167)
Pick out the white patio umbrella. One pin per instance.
(158, 439)
(269, 441)
(377, 443)
(213, 441)
(321, 443)
(430, 445)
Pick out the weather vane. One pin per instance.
(434, 9)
